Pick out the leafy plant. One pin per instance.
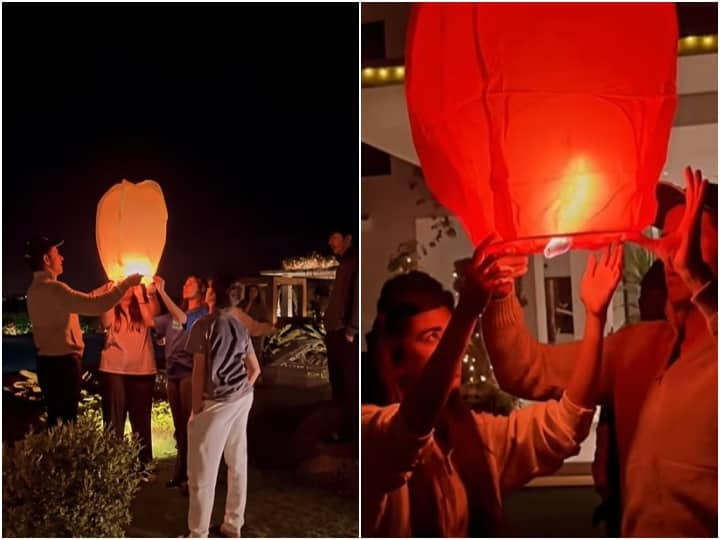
(74, 480)
(16, 324)
(636, 262)
(408, 253)
(27, 388)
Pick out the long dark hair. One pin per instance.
(401, 298)
(258, 303)
(133, 316)
(220, 285)
(202, 287)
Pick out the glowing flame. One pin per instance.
(132, 265)
(580, 185)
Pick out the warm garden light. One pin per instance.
(130, 229)
(539, 122)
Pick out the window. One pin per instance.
(374, 162)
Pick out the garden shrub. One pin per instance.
(75, 480)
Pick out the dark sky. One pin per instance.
(246, 115)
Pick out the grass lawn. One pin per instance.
(281, 501)
(278, 505)
(296, 488)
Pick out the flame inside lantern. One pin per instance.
(132, 265)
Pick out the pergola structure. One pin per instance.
(280, 286)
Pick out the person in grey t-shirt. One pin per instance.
(225, 369)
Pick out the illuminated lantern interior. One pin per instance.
(545, 123)
(130, 229)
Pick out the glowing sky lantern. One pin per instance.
(545, 123)
(130, 229)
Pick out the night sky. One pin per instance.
(247, 116)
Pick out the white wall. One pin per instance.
(390, 207)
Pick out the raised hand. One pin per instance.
(489, 272)
(680, 249)
(133, 280)
(686, 257)
(159, 283)
(600, 280)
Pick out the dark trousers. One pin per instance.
(129, 395)
(343, 370)
(179, 393)
(60, 379)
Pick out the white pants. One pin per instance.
(220, 429)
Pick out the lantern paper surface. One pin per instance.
(130, 229)
(545, 123)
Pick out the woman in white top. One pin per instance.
(127, 366)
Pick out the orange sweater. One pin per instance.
(411, 487)
(665, 414)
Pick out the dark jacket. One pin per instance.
(342, 309)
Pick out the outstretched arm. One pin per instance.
(253, 327)
(175, 312)
(393, 437)
(91, 304)
(523, 366)
(537, 439)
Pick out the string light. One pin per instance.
(697, 44)
(378, 76)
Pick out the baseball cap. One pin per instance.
(669, 196)
(37, 247)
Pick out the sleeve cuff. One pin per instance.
(578, 419)
(504, 312)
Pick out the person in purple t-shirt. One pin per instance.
(175, 327)
(225, 369)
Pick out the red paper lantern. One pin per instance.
(545, 123)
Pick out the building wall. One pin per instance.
(389, 211)
(395, 17)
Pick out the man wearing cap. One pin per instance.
(660, 378)
(53, 308)
(341, 325)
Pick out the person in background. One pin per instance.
(175, 327)
(660, 377)
(341, 326)
(432, 467)
(606, 465)
(53, 308)
(255, 328)
(253, 305)
(127, 368)
(225, 369)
